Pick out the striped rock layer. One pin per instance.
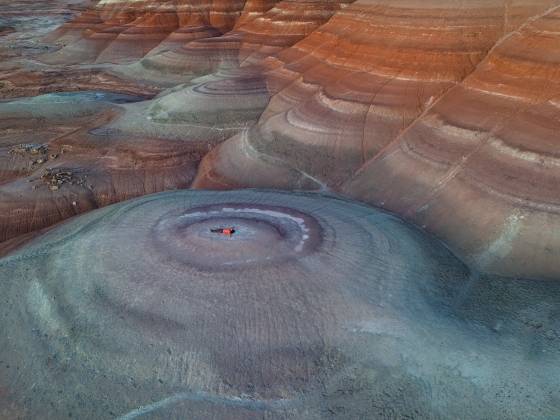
(174, 34)
(444, 112)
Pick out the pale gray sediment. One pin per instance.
(316, 307)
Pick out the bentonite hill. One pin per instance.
(280, 209)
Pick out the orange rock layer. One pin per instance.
(125, 31)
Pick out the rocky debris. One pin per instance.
(29, 148)
(57, 177)
(39, 153)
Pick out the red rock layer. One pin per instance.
(481, 169)
(347, 96)
(128, 30)
(284, 25)
(254, 39)
(254, 9)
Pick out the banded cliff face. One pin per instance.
(120, 31)
(168, 42)
(481, 168)
(343, 94)
(444, 112)
(125, 31)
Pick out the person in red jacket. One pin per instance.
(224, 231)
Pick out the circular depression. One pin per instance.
(236, 235)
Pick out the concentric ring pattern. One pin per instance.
(310, 306)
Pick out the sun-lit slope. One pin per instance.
(250, 42)
(314, 307)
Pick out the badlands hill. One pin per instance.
(444, 112)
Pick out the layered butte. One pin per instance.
(176, 34)
(342, 94)
(309, 306)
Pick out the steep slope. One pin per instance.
(250, 42)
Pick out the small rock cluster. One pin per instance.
(40, 151)
(56, 177)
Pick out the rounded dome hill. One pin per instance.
(260, 304)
